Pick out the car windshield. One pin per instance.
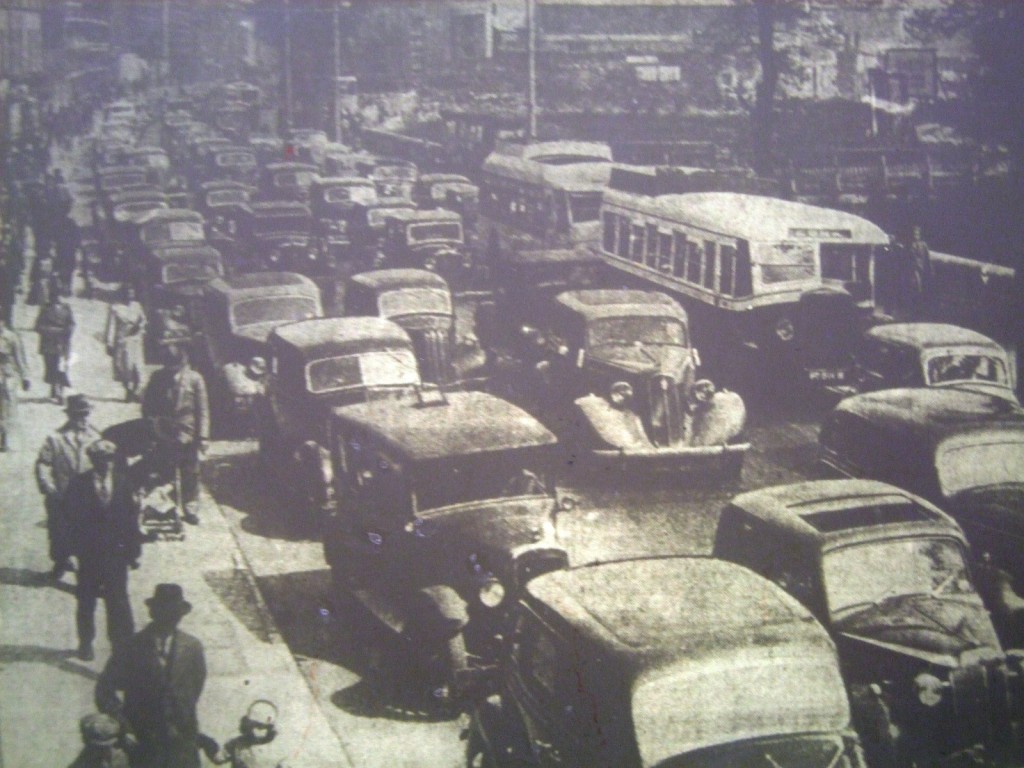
(273, 309)
(282, 223)
(294, 179)
(419, 233)
(236, 158)
(227, 197)
(820, 751)
(386, 368)
(174, 231)
(184, 271)
(585, 207)
(865, 574)
(415, 301)
(967, 367)
(965, 467)
(785, 262)
(394, 172)
(475, 477)
(627, 331)
(376, 216)
(353, 194)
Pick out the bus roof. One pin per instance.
(573, 166)
(754, 217)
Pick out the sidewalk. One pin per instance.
(44, 689)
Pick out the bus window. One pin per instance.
(623, 249)
(743, 283)
(651, 237)
(727, 255)
(845, 262)
(637, 251)
(693, 262)
(665, 252)
(709, 264)
(585, 207)
(608, 232)
(784, 262)
(679, 262)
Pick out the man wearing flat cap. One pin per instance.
(62, 457)
(102, 743)
(106, 540)
(160, 672)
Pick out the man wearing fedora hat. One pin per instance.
(161, 672)
(106, 540)
(62, 456)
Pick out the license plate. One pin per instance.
(826, 374)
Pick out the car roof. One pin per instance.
(171, 214)
(279, 207)
(926, 335)
(427, 179)
(460, 424)
(344, 181)
(597, 303)
(433, 214)
(830, 511)
(173, 251)
(686, 608)
(256, 284)
(932, 413)
(329, 336)
(390, 279)
(219, 184)
(290, 166)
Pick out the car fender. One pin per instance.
(719, 419)
(316, 461)
(496, 730)
(238, 381)
(614, 427)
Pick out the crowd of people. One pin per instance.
(94, 488)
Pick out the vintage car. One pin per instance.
(238, 314)
(366, 223)
(287, 181)
(117, 230)
(449, 190)
(308, 144)
(615, 370)
(169, 283)
(431, 239)
(421, 302)
(153, 159)
(393, 176)
(886, 573)
(661, 663)
(340, 160)
(268, 149)
(332, 200)
(222, 204)
(171, 227)
(316, 365)
(422, 483)
(276, 235)
(959, 449)
(231, 163)
(111, 179)
(932, 355)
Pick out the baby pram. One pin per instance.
(156, 489)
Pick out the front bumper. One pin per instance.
(712, 460)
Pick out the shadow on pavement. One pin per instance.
(367, 699)
(235, 590)
(237, 482)
(60, 659)
(24, 577)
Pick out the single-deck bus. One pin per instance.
(773, 288)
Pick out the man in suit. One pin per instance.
(63, 456)
(161, 672)
(106, 539)
(176, 404)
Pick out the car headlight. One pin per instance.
(928, 689)
(784, 329)
(621, 392)
(430, 263)
(492, 593)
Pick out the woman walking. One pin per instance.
(126, 322)
(13, 374)
(55, 325)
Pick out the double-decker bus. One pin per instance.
(774, 288)
(548, 191)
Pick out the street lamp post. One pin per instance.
(531, 67)
(337, 70)
(287, 64)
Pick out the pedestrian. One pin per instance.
(67, 240)
(254, 746)
(13, 374)
(41, 278)
(55, 325)
(62, 456)
(160, 672)
(103, 743)
(176, 405)
(105, 538)
(920, 272)
(126, 322)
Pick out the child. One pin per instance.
(101, 735)
(254, 747)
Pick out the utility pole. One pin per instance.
(337, 70)
(531, 67)
(287, 63)
(165, 27)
